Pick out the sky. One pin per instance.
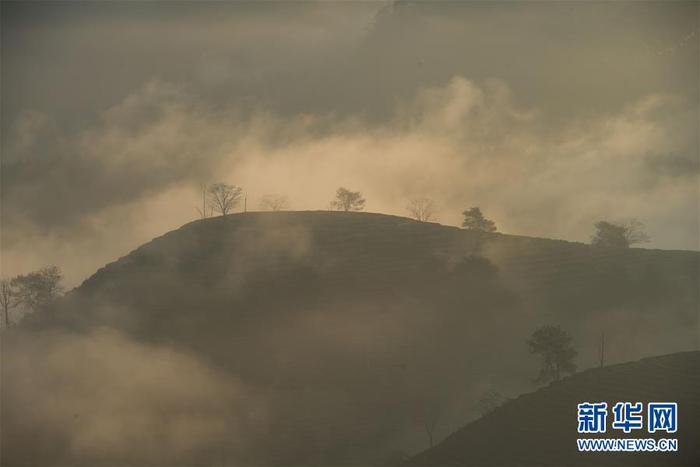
(549, 116)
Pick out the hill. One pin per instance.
(340, 332)
(539, 428)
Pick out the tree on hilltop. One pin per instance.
(30, 291)
(346, 200)
(621, 235)
(422, 209)
(224, 198)
(274, 203)
(475, 220)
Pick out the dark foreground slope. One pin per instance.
(539, 429)
(317, 338)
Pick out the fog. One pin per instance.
(325, 338)
(110, 397)
(460, 144)
(278, 338)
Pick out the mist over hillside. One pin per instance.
(317, 338)
(302, 320)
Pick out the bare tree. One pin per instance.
(621, 235)
(346, 200)
(274, 203)
(8, 299)
(38, 288)
(601, 349)
(204, 211)
(429, 416)
(224, 198)
(422, 209)
(475, 220)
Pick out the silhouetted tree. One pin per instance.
(274, 203)
(623, 235)
(224, 198)
(38, 288)
(554, 346)
(346, 200)
(475, 220)
(8, 299)
(422, 209)
(429, 416)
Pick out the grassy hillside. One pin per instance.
(539, 428)
(348, 328)
(261, 259)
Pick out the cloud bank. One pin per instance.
(550, 117)
(139, 168)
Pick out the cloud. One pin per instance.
(91, 399)
(136, 172)
(113, 113)
(467, 144)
